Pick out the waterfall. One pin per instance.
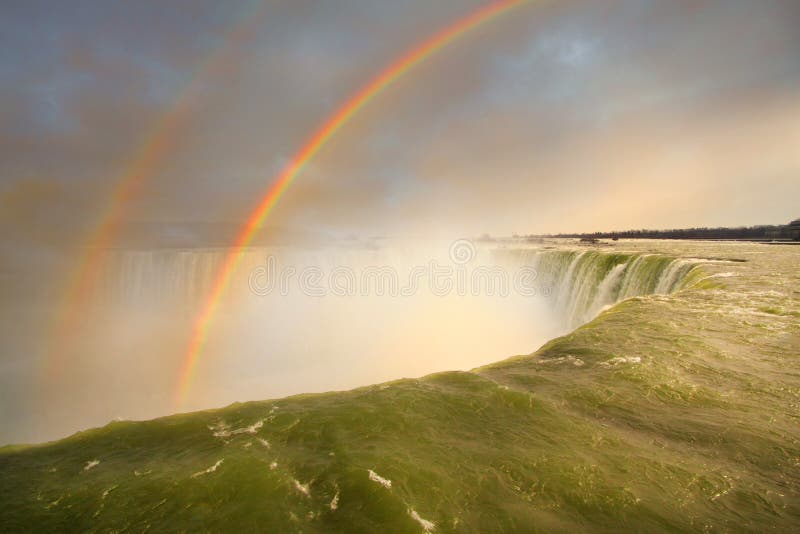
(585, 282)
(282, 343)
(582, 282)
(167, 275)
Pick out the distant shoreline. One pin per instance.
(591, 239)
(789, 233)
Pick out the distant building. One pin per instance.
(793, 229)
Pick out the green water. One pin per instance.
(673, 410)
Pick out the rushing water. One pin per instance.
(292, 340)
(275, 334)
(671, 402)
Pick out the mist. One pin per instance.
(364, 317)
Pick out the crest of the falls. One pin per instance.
(572, 285)
(276, 334)
(584, 282)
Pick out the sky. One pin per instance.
(562, 116)
(565, 116)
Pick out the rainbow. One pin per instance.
(313, 145)
(152, 152)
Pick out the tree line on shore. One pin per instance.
(761, 232)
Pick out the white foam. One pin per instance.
(264, 442)
(273, 465)
(427, 526)
(219, 430)
(302, 488)
(252, 429)
(375, 477)
(620, 360)
(335, 501)
(720, 275)
(222, 430)
(569, 358)
(210, 469)
(91, 464)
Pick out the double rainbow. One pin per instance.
(312, 146)
(145, 161)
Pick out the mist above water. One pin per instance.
(372, 315)
(300, 320)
